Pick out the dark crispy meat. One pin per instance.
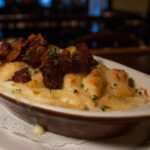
(83, 59)
(66, 63)
(36, 40)
(36, 46)
(52, 78)
(21, 76)
(51, 71)
(5, 49)
(55, 66)
(17, 46)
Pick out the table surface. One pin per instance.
(139, 62)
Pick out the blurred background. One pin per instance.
(117, 29)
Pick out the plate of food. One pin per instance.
(70, 92)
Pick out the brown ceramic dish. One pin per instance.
(82, 124)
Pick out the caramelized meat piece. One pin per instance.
(66, 63)
(21, 76)
(52, 78)
(5, 49)
(36, 46)
(36, 40)
(32, 56)
(51, 71)
(17, 46)
(55, 65)
(82, 59)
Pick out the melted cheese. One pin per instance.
(109, 87)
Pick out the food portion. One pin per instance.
(70, 77)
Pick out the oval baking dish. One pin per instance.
(82, 124)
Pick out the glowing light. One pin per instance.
(82, 1)
(2, 3)
(18, 1)
(95, 44)
(95, 27)
(106, 4)
(45, 3)
(1, 34)
(94, 8)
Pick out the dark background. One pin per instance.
(112, 27)
(65, 22)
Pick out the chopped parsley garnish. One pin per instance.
(13, 84)
(28, 52)
(75, 91)
(52, 52)
(115, 84)
(19, 90)
(82, 85)
(27, 58)
(27, 70)
(12, 91)
(47, 57)
(140, 93)
(35, 72)
(56, 61)
(103, 109)
(95, 97)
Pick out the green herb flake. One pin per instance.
(75, 91)
(18, 90)
(35, 72)
(82, 85)
(12, 91)
(103, 109)
(52, 52)
(27, 70)
(56, 61)
(13, 84)
(140, 93)
(47, 57)
(26, 58)
(28, 52)
(95, 97)
(115, 84)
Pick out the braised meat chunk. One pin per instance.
(17, 47)
(5, 49)
(53, 62)
(21, 76)
(56, 64)
(36, 46)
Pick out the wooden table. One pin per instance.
(134, 58)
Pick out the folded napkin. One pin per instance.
(133, 140)
(22, 128)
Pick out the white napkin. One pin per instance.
(22, 128)
(129, 141)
